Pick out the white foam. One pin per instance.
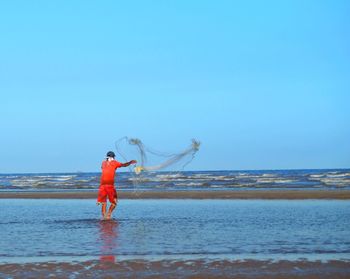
(336, 182)
(211, 177)
(317, 175)
(273, 180)
(189, 184)
(269, 175)
(338, 175)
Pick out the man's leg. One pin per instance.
(103, 209)
(111, 208)
(113, 198)
(102, 200)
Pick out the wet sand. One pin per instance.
(110, 267)
(242, 194)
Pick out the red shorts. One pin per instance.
(107, 190)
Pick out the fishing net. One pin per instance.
(150, 161)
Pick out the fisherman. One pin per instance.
(107, 189)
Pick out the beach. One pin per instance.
(175, 139)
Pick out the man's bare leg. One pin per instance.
(103, 208)
(111, 208)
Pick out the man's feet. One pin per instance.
(106, 217)
(110, 210)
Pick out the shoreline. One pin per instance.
(244, 194)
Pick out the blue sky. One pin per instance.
(262, 84)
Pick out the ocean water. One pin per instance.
(71, 230)
(186, 180)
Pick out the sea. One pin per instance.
(254, 229)
(42, 238)
(57, 237)
(185, 180)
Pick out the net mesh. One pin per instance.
(151, 161)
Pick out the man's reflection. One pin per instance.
(108, 237)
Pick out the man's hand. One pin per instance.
(132, 162)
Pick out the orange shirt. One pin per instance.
(108, 171)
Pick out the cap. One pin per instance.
(110, 154)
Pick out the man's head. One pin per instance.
(110, 154)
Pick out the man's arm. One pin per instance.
(129, 163)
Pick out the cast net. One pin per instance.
(151, 162)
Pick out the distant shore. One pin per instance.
(243, 194)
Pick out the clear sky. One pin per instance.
(262, 84)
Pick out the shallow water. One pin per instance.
(66, 230)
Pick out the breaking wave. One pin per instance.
(280, 179)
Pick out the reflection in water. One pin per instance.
(108, 238)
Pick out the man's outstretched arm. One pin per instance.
(129, 163)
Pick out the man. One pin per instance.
(107, 188)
